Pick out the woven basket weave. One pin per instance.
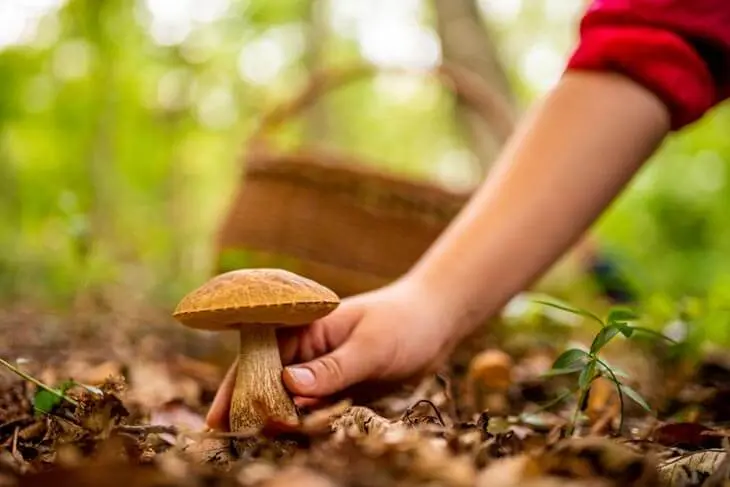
(331, 216)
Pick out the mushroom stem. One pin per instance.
(259, 392)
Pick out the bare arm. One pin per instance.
(569, 159)
(572, 155)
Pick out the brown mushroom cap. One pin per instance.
(255, 296)
(492, 368)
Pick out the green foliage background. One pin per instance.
(118, 154)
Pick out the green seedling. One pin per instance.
(46, 398)
(589, 365)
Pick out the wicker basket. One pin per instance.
(331, 216)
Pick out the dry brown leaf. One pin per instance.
(153, 385)
(510, 472)
(594, 458)
(690, 436)
(359, 420)
(94, 375)
(320, 421)
(602, 400)
(207, 374)
(685, 469)
(300, 477)
(177, 414)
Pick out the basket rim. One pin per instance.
(355, 180)
(346, 167)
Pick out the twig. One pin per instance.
(451, 406)
(65, 416)
(38, 383)
(15, 422)
(15, 441)
(410, 410)
(144, 430)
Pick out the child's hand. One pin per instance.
(569, 159)
(385, 336)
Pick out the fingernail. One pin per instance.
(301, 375)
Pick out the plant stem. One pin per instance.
(555, 401)
(620, 393)
(38, 383)
(581, 400)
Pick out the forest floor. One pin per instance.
(136, 388)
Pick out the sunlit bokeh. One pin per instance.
(118, 119)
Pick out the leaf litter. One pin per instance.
(135, 407)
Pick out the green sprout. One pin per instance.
(46, 398)
(590, 366)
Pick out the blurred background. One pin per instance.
(122, 123)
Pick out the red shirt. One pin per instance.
(678, 49)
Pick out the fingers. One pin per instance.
(306, 344)
(288, 340)
(353, 362)
(302, 344)
(217, 418)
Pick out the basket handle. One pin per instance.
(483, 99)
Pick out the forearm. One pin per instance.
(569, 159)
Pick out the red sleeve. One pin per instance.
(678, 49)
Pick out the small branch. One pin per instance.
(410, 410)
(144, 430)
(38, 383)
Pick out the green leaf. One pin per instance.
(587, 375)
(575, 311)
(611, 370)
(626, 330)
(66, 385)
(568, 358)
(565, 371)
(604, 336)
(562, 397)
(635, 396)
(45, 401)
(621, 315)
(655, 334)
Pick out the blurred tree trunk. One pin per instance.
(101, 153)
(317, 117)
(467, 42)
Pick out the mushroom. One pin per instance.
(493, 369)
(490, 377)
(255, 302)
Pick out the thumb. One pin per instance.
(331, 373)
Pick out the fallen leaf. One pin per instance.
(691, 468)
(594, 458)
(690, 436)
(602, 400)
(176, 413)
